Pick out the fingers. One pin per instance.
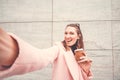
(8, 48)
(84, 59)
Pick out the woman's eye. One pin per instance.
(65, 32)
(71, 33)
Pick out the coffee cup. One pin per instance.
(79, 53)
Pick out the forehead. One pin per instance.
(70, 29)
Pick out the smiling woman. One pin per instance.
(73, 37)
(24, 58)
(70, 36)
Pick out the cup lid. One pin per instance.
(79, 49)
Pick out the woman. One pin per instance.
(18, 57)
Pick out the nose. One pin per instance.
(67, 36)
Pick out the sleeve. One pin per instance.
(29, 58)
(86, 68)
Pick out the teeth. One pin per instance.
(69, 41)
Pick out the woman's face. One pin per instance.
(70, 36)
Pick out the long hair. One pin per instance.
(79, 43)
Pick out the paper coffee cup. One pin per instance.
(79, 53)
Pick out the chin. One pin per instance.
(69, 44)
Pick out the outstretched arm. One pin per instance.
(8, 49)
(19, 57)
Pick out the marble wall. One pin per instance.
(42, 22)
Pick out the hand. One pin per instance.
(8, 49)
(85, 64)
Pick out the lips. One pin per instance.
(68, 41)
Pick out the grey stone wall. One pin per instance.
(42, 22)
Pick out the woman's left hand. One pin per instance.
(85, 64)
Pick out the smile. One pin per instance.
(69, 40)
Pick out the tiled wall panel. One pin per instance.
(116, 34)
(115, 7)
(116, 64)
(25, 10)
(77, 10)
(36, 34)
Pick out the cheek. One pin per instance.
(64, 37)
(75, 39)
